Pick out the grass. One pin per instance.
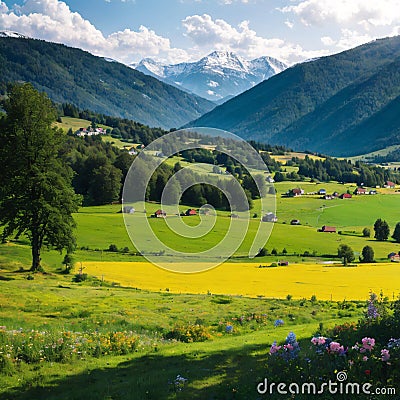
(76, 123)
(98, 227)
(52, 303)
(124, 294)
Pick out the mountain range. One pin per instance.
(217, 77)
(345, 104)
(342, 105)
(70, 75)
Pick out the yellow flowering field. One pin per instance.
(247, 279)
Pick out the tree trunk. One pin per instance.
(36, 255)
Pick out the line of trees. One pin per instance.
(122, 128)
(382, 230)
(332, 169)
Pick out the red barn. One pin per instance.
(191, 211)
(329, 229)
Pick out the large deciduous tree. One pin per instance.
(36, 196)
(367, 255)
(346, 253)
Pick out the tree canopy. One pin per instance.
(396, 233)
(346, 253)
(381, 229)
(36, 196)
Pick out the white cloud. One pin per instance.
(289, 24)
(208, 34)
(349, 22)
(350, 38)
(53, 20)
(327, 41)
(3, 7)
(363, 12)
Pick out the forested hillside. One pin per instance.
(345, 104)
(75, 76)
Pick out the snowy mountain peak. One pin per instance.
(12, 34)
(225, 59)
(217, 76)
(155, 68)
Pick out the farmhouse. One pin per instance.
(160, 214)
(269, 217)
(90, 132)
(394, 257)
(190, 212)
(295, 192)
(329, 229)
(360, 190)
(390, 185)
(270, 179)
(346, 196)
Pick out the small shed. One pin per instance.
(295, 192)
(269, 217)
(190, 212)
(360, 190)
(270, 179)
(295, 222)
(328, 229)
(160, 214)
(390, 185)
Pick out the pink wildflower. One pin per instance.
(368, 343)
(274, 348)
(335, 347)
(320, 340)
(385, 355)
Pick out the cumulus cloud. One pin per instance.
(348, 39)
(54, 21)
(3, 7)
(209, 34)
(365, 12)
(354, 21)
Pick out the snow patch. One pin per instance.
(213, 84)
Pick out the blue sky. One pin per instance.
(186, 30)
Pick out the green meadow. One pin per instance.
(174, 334)
(99, 227)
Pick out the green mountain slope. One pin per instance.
(345, 104)
(74, 76)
